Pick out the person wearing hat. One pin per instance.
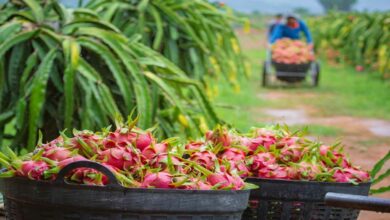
(292, 28)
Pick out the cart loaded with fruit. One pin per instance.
(290, 61)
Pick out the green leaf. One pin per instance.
(37, 98)
(72, 56)
(14, 66)
(381, 177)
(380, 190)
(378, 166)
(36, 9)
(15, 39)
(9, 28)
(120, 77)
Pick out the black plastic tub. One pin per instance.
(299, 200)
(36, 200)
(291, 72)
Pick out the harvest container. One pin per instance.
(37, 200)
(296, 200)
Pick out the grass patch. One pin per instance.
(320, 130)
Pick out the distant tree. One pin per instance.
(302, 11)
(340, 5)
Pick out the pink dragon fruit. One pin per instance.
(161, 161)
(219, 136)
(324, 150)
(143, 141)
(196, 184)
(273, 171)
(161, 180)
(307, 171)
(292, 153)
(153, 150)
(261, 160)
(58, 142)
(350, 174)
(34, 170)
(70, 160)
(118, 139)
(88, 176)
(121, 158)
(225, 180)
(233, 154)
(86, 142)
(195, 145)
(287, 141)
(205, 158)
(57, 153)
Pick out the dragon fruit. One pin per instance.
(34, 170)
(224, 180)
(70, 160)
(261, 160)
(233, 154)
(292, 153)
(119, 157)
(88, 176)
(143, 141)
(161, 180)
(161, 161)
(195, 145)
(153, 150)
(204, 158)
(350, 175)
(220, 136)
(57, 153)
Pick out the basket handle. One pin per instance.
(112, 181)
(357, 202)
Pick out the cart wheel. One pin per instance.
(264, 81)
(316, 75)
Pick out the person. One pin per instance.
(292, 28)
(277, 21)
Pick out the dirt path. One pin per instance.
(366, 139)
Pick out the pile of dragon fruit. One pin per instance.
(135, 156)
(289, 51)
(219, 161)
(277, 153)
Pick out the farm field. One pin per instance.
(347, 106)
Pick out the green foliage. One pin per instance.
(63, 69)
(195, 35)
(377, 177)
(360, 39)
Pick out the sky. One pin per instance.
(274, 6)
